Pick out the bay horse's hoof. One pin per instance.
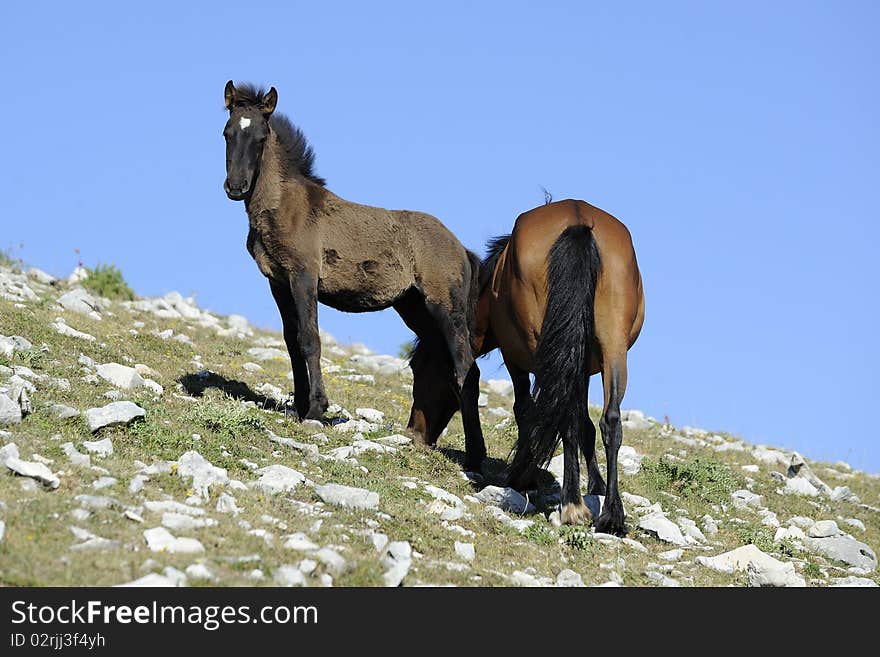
(575, 514)
(607, 523)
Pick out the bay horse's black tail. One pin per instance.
(562, 358)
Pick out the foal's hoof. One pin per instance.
(609, 524)
(575, 514)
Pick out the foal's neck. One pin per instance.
(268, 187)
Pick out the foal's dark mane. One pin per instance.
(494, 247)
(299, 157)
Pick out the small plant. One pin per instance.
(107, 281)
(698, 478)
(540, 534)
(225, 416)
(812, 569)
(576, 537)
(758, 536)
(405, 351)
(7, 259)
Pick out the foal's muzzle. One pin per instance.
(237, 190)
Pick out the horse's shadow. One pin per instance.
(195, 385)
(545, 492)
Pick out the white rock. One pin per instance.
(500, 386)
(267, 353)
(799, 486)
(278, 479)
(332, 560)
(348, 496)
(355, 426)
(299, 541)
(709, 525)
(844, 548)
(465, 550)
(184, 522)
(671, 555)
(160, 539)
(743, 499)
(483, 400)
(518, 524)
(37, 471)
(113, 414)
(226, 504)
(823, 529)
(172, 507)
(633, 419)
(785, 533)
(63, 329)
(104, 482)
(101, 448)
(153, 580)
(629, 461)
(10, 412)
(763, 574)
(395, 439)
(446, 511)
(80, 301)
(2, 530)
(444, 496)
(361, 446)
(660, 526)
(569, 578)
(506, 499)
(120, 376)
(199, 571)
(137, 483)
(288, 576)
(853, 581)
(202, 472)
(855, 522)
(398, 559)
(370, 415)
(739, 559)
(63, 412)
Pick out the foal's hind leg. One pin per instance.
(453, 326)
(612, 518)
(520, 475)
(596, 485)
(475, 445)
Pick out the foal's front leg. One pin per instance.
(284, 300)
(304, 290)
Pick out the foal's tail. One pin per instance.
(563, 353)
(473, 297)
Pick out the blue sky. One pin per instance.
(737, 141)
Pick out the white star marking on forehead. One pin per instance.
(244, 122)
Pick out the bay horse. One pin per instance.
(562, 297)
(315, 246)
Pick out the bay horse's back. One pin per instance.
(521, 285)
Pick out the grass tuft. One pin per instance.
(107, 281)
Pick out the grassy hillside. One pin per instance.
(217, 398)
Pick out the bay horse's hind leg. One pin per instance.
(612, 519)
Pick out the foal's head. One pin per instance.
(246, 132)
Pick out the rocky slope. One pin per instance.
(145, 442)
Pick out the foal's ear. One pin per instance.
(269, 102)
(229, 94)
